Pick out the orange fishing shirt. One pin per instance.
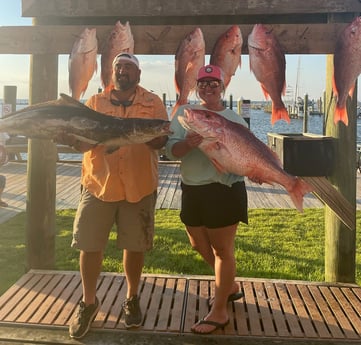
(131, 172)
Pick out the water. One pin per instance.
(261, 125)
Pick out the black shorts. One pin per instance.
(214, 205)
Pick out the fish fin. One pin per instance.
(334, 87)
(265, 92)
(227, 80)
(67, 100)
(284, 89)
(340, 115)
(350, 93)
(177, 105)
(111, 149)
(279, 114)
(298, 190)
(219, 167)
(174, 110)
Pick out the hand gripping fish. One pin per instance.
(65, 115)
(233, 148)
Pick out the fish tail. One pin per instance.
(279, 114)
(298, 190)
(340, 115)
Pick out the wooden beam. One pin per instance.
(163, 40)
(184, 8)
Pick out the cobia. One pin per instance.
(65, 115)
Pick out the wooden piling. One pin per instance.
(305, 114)
(340, 248)
(10, 97)
(42, 156)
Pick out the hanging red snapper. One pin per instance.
(226, 52)
(347, 67)
(82, 62)
(268, 63)
(119, 40)
(189, 58)
(234, 149)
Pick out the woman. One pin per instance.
(212, 203)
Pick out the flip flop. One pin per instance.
(235, 296)
(232, 297)
(215, 324)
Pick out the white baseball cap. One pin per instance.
(127, 57)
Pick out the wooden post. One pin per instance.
(305, 114)
(41, 179)
(10, 96)
(340, 241)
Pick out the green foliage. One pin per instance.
(277, 243)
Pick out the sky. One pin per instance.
(158, 70)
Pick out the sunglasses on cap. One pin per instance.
(202, 84)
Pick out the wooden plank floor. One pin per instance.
(270, 308)
(169, 193)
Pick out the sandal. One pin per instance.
(215, 324)
(3, 204)
(232, 297)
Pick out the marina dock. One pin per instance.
(169, 192)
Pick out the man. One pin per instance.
(117, 188)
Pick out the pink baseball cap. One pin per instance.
(210, 71)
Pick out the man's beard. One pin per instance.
(124, 83)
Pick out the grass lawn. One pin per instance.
(277, 243)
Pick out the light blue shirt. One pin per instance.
(196, 168)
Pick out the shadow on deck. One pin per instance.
(41, 304)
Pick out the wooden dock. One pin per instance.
(169, 193)
(271, 310)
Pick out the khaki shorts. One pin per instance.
(95, 218)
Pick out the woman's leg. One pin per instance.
(198, 238)
(222, 242)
